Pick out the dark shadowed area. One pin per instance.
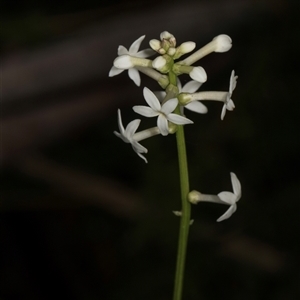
(83, 217)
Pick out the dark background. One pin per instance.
(83, 217)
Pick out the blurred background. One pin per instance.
(83, 217)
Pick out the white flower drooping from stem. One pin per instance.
(133, 51)
(228, 198)
(163, 112)
(129, 135)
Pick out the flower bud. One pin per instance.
(184, 48)
(198, 74)
(155, 44)
(158, 63)
(223, 43)
(123, 62)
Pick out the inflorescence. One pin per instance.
(165, 69)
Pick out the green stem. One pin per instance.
(186, 214)
(186, 206)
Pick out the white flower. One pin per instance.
(227, 198)
(127, 135)
(191, 87)
(164, 112)
(231, 198)
(133, 51)
(228, 104)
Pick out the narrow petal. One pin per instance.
(230, 105)
(122, 137)
(223, 112)
(236, 186)
(138, 147)
(134, 48)
(134, 75)
(227, 197)
(120, 124)
(169, 106)
(142, 157)
(162, 124)
(122, 50)
(180, 120)
(228, 213)
(145, 111)
(232, 82)
(197, 107)
(191, 87)
(132, 127)
(151, 99)
(114, 71)
(145, 53)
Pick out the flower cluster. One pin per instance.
(168, 105)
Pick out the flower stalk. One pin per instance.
(168, 107)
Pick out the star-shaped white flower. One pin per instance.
(228, 104)
(133, 51)
(127, 135)
(191, 87)
(164, 112)
(230, 198)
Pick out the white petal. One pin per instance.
(155, 44)
(145, 53)
(122, 137)
(198, 74)
(223, 111)
(162, 124)
(169, 106)
(122, 50)
(197, 107)
(179, 85)
(114, 71)
(120, 124)
(142, 156)
(137, 147)
(227, 197)
(228, 213)
(151, 99)
(134, 75)
(191, 87)
(230, 105)
(232, 82)
(134, 48)
(236, 186)
(132, 127)
(180, 120)
(145, 111)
